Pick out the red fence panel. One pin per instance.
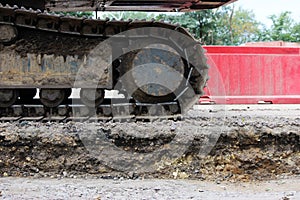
(250, 75)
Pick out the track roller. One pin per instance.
(8, 97)
(52, 97)
(92, 97)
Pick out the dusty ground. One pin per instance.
(246, 144)
(46, 188)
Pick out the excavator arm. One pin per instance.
(119, 5)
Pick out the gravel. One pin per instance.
(91, 188)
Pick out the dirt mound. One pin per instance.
(254, 148)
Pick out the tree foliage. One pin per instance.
(200, 24)
(224, 26)
(283, 28)
(241, 28)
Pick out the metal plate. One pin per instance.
(253, 75)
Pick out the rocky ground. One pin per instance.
(243, 144)
(96, 189)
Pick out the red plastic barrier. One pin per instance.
(250, 75)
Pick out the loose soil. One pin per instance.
(244, 145)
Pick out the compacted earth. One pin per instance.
(221, 147)
(93, 188)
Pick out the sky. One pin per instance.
(264, 8)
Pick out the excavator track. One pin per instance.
(34, 31)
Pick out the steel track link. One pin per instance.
(79, 112)
(37, 19)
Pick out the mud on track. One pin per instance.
(254, 143)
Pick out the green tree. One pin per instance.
(201, 23)
(296, 32)
(283, 28)
(236, 26)
(223, 26)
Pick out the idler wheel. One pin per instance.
(153, 74)
(8, 97)
(52, 97)
(92, 97)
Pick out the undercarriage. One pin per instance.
(159, 68)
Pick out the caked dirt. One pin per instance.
(48, 59)
(241, 146)
(42, 42)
